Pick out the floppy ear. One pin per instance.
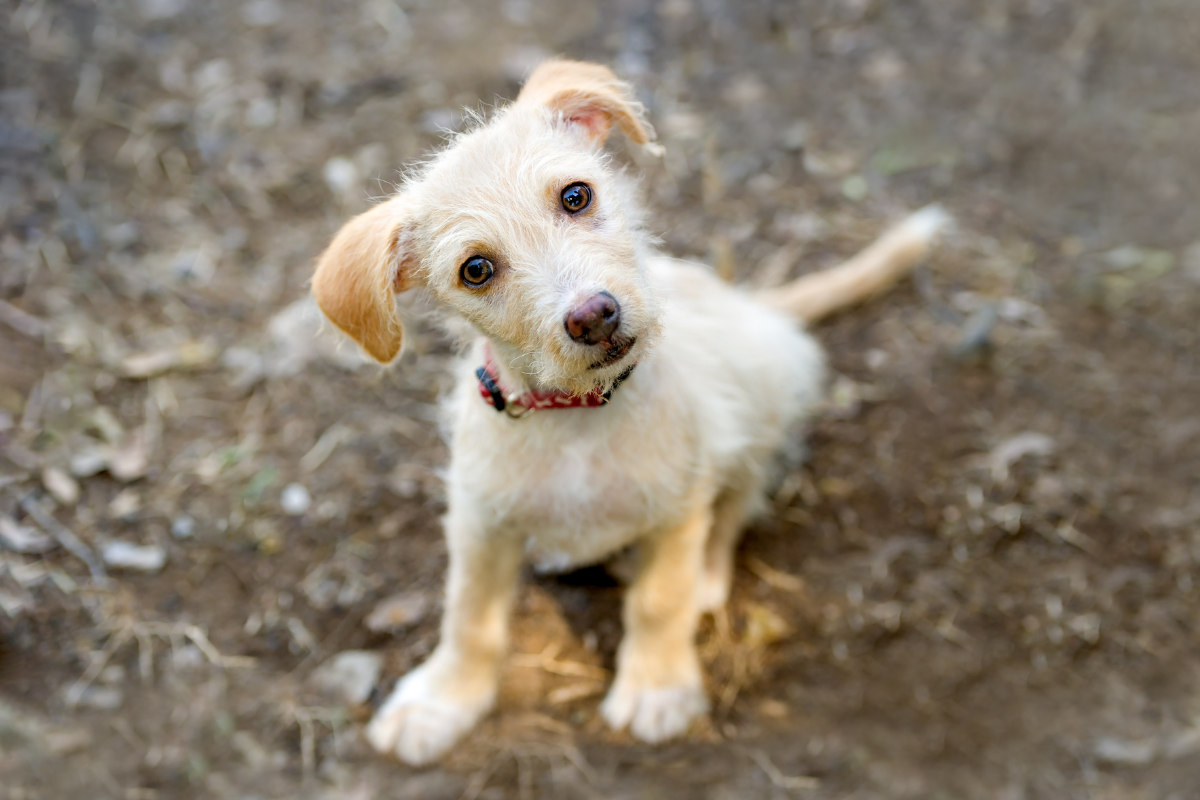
(588, 95)
(358, 276)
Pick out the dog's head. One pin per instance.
(524, 228)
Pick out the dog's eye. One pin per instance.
(576, 197)
(476, 271)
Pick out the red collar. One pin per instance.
(491, 391)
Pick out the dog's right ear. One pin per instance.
(359, 274)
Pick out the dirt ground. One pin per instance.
(982, 583)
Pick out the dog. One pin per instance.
(610, 397)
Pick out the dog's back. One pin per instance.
(752, 373)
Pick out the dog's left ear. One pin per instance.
(587, 95)
(359, 274)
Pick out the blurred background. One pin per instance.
(219, 540)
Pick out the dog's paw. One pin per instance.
(418, 733)
(653, 713)
(425, 717)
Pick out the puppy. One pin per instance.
(610, 396)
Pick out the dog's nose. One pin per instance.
(595, 319)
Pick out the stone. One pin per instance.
(398, 611)
(349, 676)
(23, 539)
(295, 500)
(130, 461)
(1012, 450)
(61, 486)
(1111, 750)
(101, 698)
(138, 558)
(183, 527)
(89, 461)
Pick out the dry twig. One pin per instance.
(773, 577)
(145, 632)
(524, 754)
(788, 782)
(305, 718)
(72, 543)
(547, 661)
(739, 666)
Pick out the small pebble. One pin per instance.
(21, 538)
(295, 500)
(66, 742)
(349, 676)
(129, 462)
(89, 462)
(101, 698)
(773, 708)
(1013, 449)
(398, 611)
(126, 505)
(183, 527)
(139, 558)
(856, 188)
(976, 335)
(876, 359)
(13, 604)
(112, 675)
(1111, 750)
(61, 486)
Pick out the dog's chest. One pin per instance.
(576, 490)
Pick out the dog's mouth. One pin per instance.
(619, 349)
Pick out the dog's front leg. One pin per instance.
(658, 689)
(436, 704)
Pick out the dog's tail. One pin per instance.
(892, 256)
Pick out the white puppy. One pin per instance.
(562, 450)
